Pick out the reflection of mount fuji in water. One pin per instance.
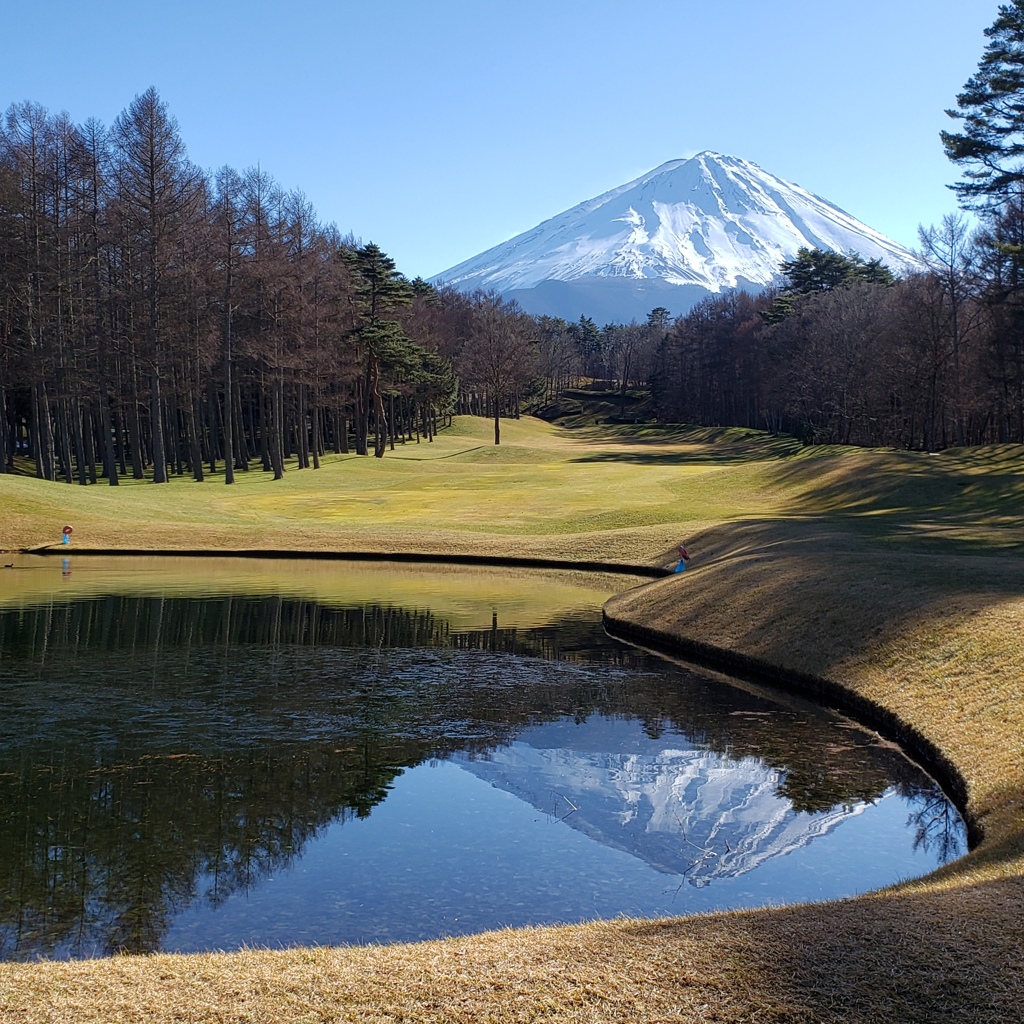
(683, 810)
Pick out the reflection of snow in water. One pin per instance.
(684, 811)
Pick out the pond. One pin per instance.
(202, 754)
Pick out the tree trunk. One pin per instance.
(277, 429)
(241, 445)
(79, 441)
(138, 461)
(302, 429)
(106, 428)
(6, 448)
(157, 430)
(194, 434)
(42, 429)
(380, 419)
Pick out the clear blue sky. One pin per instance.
(438, 128)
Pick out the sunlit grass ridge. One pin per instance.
(896, 576)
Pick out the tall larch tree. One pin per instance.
(500, 356)
(157, 194)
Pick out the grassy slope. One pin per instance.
(541, 492)
(897, 575)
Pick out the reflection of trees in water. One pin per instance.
(938, 829)
(97, 857)
(155, 745)
(160, 623)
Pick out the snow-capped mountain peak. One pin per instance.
(683, 230)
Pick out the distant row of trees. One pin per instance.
(843, 352)
(927, 361)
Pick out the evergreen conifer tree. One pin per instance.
(990, 147)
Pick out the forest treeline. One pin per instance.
(845, 353)
(158, 320)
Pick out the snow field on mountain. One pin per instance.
(716, 222)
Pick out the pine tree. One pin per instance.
(821, 270)
(815, 271)
(991, 109)
(379, 292)
(659, 318)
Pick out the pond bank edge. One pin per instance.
(510, 562)
(824, 691)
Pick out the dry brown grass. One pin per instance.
(858, 961)
(839, 567)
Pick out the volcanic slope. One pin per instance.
(687, 229)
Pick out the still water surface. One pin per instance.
(203, 755)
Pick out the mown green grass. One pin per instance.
(540, 483)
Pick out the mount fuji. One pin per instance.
(685, 230)
(658, 801)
